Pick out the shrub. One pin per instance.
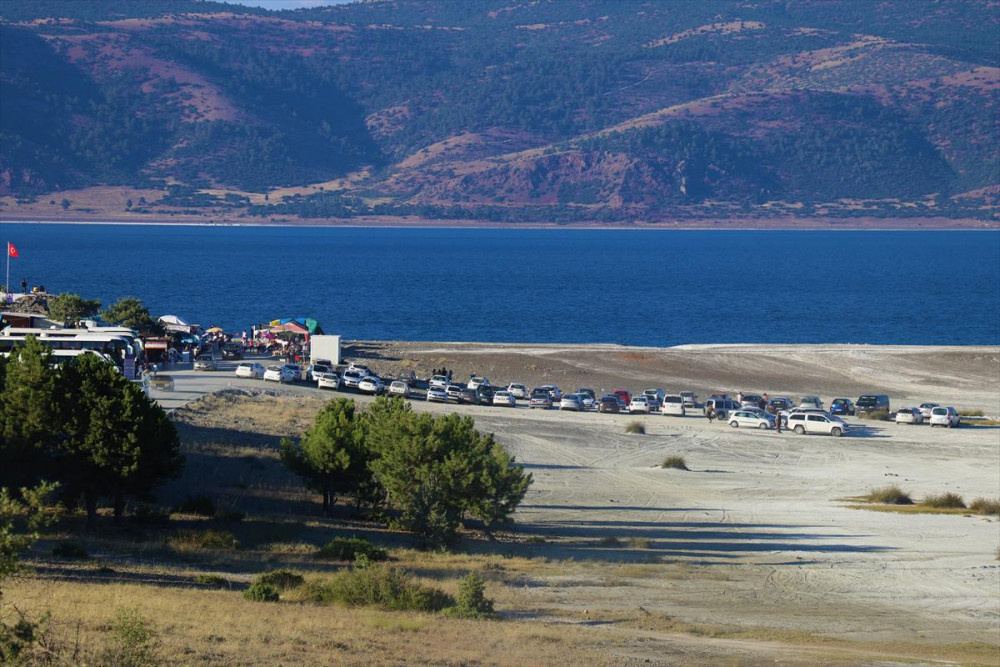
(889, 495)
(282, 580)
(635, 427)
(378, 586)
(612, 542)
(70, 550)
(260, 592)
(946, 500)
(472, 601)
(200, 505)
(344, 548)
(132, 641)
(674, 461)
(985, 506)
(212, 580)
(971, 413)
(190, 540)
(877, 415)
(150, 516)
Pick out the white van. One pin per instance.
(815, 422)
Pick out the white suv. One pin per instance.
(945, 417)
(815, 422)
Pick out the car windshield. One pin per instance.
(867, 400)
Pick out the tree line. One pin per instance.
(430, 471)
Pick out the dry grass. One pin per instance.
(636, 427)
(985, 506)
(949, 500)
(220, 628)
(674, 461)
(889, 495)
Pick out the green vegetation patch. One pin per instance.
(349, 548)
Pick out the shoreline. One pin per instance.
(789, 225)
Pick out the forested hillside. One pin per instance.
(561, 110)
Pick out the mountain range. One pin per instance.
(557, 111)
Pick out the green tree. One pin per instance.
(117, 443)
(331, 457)
(30, 414)
(130, 312)
(70, 308)
(500, 485)
(429, 472)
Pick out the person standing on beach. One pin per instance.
(24, 286)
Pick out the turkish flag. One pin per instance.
(11, 250)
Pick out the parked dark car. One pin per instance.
(484, 394)
(468, 395)
(608, 403)
(232, 351)
(872, 403)
(842, 406)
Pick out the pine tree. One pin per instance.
(331, 456)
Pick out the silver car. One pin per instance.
(571, 402)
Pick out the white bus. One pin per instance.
(113, 346)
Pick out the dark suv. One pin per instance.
(872, 403)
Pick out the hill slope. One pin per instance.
(505, 110)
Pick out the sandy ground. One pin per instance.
(760, 517)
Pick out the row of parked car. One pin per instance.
(806, 415)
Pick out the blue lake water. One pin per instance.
(632, 287)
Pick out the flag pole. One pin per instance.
(7, 287)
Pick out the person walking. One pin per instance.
(777, 421)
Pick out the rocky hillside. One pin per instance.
(504, 110)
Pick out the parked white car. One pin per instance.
(329, 381)
(250, 369)
(909, 416)
(504, 398)
(204, 362)
(475, 382)
(280, 374)
(454, 392)
(399, 388)
(751, 419)
(371, 385)
(657, 396)
(639, 404)
(353, 377)
(945, 417)
(816, 422)
(554, 392)
(673, 405)
(811, 402)
(925, 409)
(437, 394)
(518, 390)
(438, 381)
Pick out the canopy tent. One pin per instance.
(173, 319)
(304, 325)
(291, 327)
(214, 330)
